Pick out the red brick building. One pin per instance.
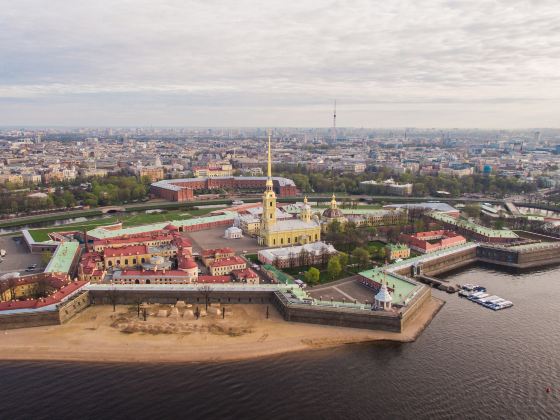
(183, 189)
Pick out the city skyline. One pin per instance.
(438, 64)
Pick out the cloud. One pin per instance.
(221, 59)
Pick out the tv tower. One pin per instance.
(334, 122)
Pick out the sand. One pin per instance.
(100, 335)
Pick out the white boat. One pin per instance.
(2, 252)
(490, 299)
(478, 295)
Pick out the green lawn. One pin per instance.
(127, 220)
(253, 258)
(323, 278)
(41, 235)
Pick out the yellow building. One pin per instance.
(126, 256)
(213, 170)
(276, 233)
(396, 251)
(153, 172)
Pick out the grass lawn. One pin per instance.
(375, 246)
(128, 220)
(323, 277)
(253, 258)
(41, 235)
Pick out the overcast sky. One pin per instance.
(389, 63)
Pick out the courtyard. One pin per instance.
(347, 289)
(214, 238)
(17, 257)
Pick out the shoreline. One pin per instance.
(89, 337)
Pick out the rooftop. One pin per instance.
(61, 261)
(473, 227)
(101, 233)
(403, 288)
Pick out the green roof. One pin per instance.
(473, 227)
(62, 258)
(397, 247)
(101, 233)
(403, 289)
(279, 275)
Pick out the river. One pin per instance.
(471, 362)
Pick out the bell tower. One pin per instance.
(305, 214)
(269, 196)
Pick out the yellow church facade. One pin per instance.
(279, 233)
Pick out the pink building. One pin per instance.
(432, 241)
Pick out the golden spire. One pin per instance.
(333, 202)
(305, 200)
(269, 169)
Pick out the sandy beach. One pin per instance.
(100, 335)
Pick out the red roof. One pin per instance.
(212, 252)
(245, 273)
(39, 303)
(152, 273)
(126, 251)
(186, 262)
(228, 261)
(181, 241)
(214, 279)
(156, 235)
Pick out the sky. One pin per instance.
(397, 63)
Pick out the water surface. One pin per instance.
(471, 362)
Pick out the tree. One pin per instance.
(312, 276)
(343, 259)
(361, 257)
(333, 267)
(499, 224)
(472, 209)
(206, 291)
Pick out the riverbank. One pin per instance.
(100, 335)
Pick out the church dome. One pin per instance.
(332, 213)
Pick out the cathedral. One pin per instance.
(277, 233)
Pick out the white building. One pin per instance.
(314, 253)
(233, 233)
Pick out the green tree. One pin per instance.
(343, 259)
(361, 257)
(472, 209)
(312, 276)
(333, 267)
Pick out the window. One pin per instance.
(289, 240)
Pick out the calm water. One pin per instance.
(470, 363)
